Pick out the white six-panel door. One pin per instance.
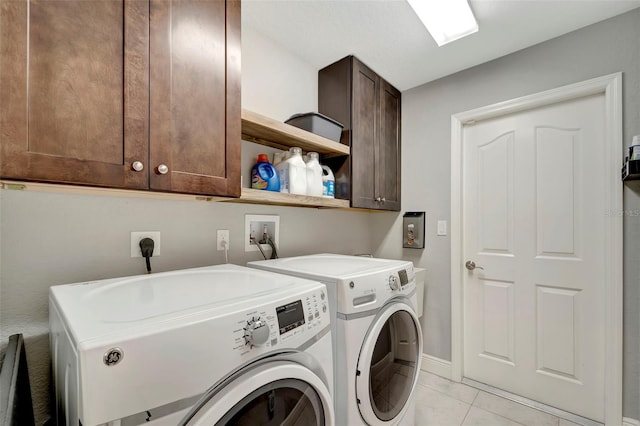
(534, 218)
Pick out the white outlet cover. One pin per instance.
(137, 236)
(260, 218)
(222, 234)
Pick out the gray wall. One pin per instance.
(49, 239)
(601, 49)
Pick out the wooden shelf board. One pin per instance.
(257, 196)
(92, 190)
(249, 196)
(267, 131)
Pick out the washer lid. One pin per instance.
(329, 266)
(95, 308)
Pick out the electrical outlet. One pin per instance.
(138, 236)
(223, 235)
(254, 227)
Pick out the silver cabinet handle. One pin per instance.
(137, 166)
(471, 265)
(378, 199)
(384, 199)
(163, 169)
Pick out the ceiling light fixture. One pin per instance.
(446, 20)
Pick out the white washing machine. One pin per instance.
(221, 345)
(377, 335)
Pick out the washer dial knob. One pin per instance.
(393, 283)
(256, 333)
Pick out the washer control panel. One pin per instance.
(297, 318)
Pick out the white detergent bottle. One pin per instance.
(296, 171)
(282, 168)
(314, 175)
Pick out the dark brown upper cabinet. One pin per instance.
(84, 102)
(195, 96)
(369, 108)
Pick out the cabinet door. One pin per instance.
(195, 96)
(388, 148)
(74, 90)
(365, 112)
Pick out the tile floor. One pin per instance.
(440, 402)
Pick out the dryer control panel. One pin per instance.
(367, 292)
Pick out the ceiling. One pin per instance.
(388, 37)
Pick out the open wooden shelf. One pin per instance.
(257, 196)
(263, 130)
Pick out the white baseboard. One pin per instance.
(626, 421)
(438, 366)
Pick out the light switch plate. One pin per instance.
(442, 227)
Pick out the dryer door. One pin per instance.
(276, 393)
(389, 364)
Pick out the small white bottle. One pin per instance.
(282, 168)
(328, 183)
(296, 173)
(314, 175)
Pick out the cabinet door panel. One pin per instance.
(195, 96)
(74, 91)
(388, 149)
(75, 106)
(364, 131)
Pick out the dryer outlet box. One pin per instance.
(413, 230)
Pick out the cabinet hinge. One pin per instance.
(13, 186)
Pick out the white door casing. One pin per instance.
(530, 199)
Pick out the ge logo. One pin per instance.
(113, 356)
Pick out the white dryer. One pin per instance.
(221, 345)
(377, 335)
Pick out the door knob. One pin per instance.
(378, 199)
(163, 169)
(471, 265)
(137, 166)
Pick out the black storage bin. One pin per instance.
(317, 123)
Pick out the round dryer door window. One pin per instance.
(277, 393)
(389, 364)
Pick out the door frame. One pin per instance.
(611, 87)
